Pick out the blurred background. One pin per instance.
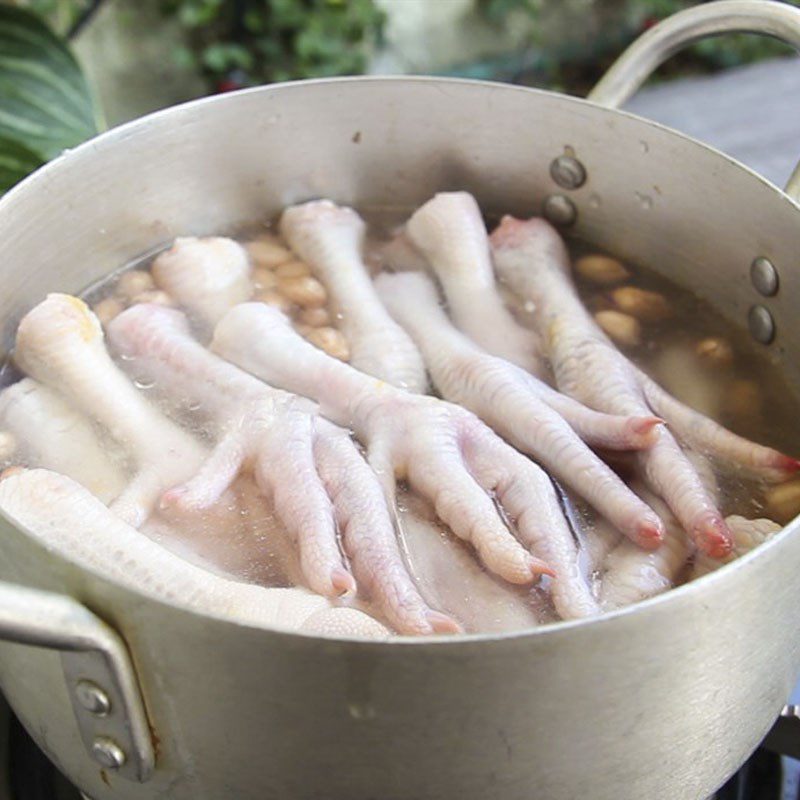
(132, 57)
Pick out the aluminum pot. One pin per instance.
(134, 698)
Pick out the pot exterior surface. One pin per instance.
(664, 700)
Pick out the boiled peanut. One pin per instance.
(715, 351)
(305, 291)
(315, 317)
(155, 296)
(599, 302)
(602, 270)
(9, 471)
(107, 309)
(133, 282)
(274, 298)
(8, 445)
(643, 304)
(293, 269)
(680, 372)
(331, 341)
(621, 328)
(783, 502)
(268, 253)
(743, 399)
(264, 278)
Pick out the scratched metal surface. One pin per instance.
(753, 114)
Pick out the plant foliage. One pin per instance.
(260, 41)
(45, 102)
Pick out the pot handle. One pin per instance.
(100, 679)
(663, 40)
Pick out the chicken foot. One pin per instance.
(533, 259)
(517, 406)
(451, 458)
(330, 239)
(310, 467)
(449, 231)
(60, 344)
(218, 277)
(66, 518)
(54, 435)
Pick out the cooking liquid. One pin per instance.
(241, 536)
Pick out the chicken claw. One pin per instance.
(65, 517)
(747, 535)
(318, 480)
(630, 574)
(449, 231)
(207, 276)
(517, 406)
(60, 344)
(55, 436)
(444, 452)
(533, 259)
(331, 239)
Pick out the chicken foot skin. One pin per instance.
(449, 231)
(319, 481)
(60, 343)
(65, 517)
(515, 404)
(330, 239)
(532, 258)
(56, 436)
(442, 450)
(218, 275)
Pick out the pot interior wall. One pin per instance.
(652, 196)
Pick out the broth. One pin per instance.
(693, 353)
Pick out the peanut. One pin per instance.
(305, 291)
(107, 309)
(268, 253)
(743, 399)
(783, 502)
(134, 282)
(643, 304)
(621, 328)
(264, 278)
(715, 351)
(331, 341)
(602, 270)
(293, 269)
(271, 297)
(315, 317)
(9, 471)
(155, 296)
(8, 445)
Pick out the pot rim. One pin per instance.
(126, 130)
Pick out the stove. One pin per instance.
(772, 773)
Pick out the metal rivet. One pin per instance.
(93, 698)
(568, 172)
(764, 276)
(108, 753)
(560, 210)
(762, 326)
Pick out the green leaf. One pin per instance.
(16, 161)
(224, 56)
(45, 102)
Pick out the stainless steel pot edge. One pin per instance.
(41, 177)
(653, 48)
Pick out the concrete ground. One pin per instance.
(752, 113)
